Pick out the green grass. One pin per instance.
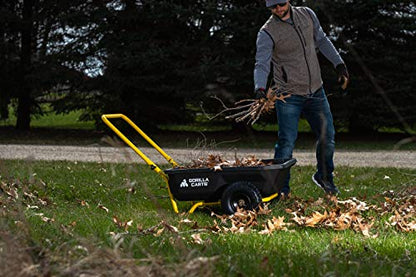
(51, 119)
(72, 192)
(62, 121)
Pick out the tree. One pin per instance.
(378, 39)
(163, 56)
(40, 52)
(156, 60)
(146, 70)
(8, 56)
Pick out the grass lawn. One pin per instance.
(52, 120)
(66, 218)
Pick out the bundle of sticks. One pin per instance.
(252, 109)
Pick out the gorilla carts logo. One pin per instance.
(184, 184)
(194, 182)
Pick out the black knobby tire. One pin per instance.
(240, 195)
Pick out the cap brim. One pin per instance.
(276, 2)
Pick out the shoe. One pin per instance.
(328, 187)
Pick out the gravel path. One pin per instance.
(399, 159)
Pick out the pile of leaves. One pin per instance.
(332, 213)
(396, 210)
(217, 162)
(402, 209)
(327, 213)
(241, 221)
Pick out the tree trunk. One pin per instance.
(24, 105)
(4, 95)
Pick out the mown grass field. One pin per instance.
(52, 120)
(68, 218)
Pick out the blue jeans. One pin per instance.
(316, 110)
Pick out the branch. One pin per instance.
(250, 109)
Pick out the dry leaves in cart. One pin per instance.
(217, 162)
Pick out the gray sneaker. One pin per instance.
(328, 187)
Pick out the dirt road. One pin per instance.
(399, 159)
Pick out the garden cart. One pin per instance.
(233, 187)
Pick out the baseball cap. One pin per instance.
(270, 3)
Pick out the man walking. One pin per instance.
(289, 40)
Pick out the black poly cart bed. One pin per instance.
(209, 185)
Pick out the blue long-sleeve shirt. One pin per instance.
(265, 47)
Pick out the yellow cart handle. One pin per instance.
(153, 166)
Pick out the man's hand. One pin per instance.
(260, 93)
(343, 76)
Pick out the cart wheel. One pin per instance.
(240, 195)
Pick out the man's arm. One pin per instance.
(328, 50)
(264, 46)
(323, 43)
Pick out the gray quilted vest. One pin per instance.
(295, 62)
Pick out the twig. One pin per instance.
(251, 109)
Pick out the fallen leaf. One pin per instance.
(217, 168)
(197, 238)
(122, 224)
(316, 218)
(103, 208)
(169, 227)
(159, 232)
(85, 203)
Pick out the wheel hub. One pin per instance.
(241, 201)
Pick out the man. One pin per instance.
(289, 40)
